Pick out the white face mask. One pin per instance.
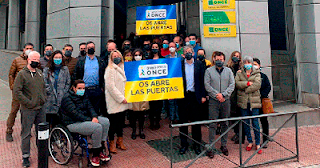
(27, 52)
(138, 58)
(255, 67)
(187, 43)
(171, 49)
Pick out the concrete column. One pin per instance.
(33, 23)
(3, 11)
(13, 25)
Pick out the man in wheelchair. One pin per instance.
(79, 116)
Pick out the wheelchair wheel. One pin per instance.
(60, 145)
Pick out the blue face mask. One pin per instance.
(57, 61)
(80, 92)
(247, 66)
(165, 46)
(192, 42)
(177, 45)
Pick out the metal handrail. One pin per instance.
(233, 119)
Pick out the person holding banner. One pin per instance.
(195, 95)
(219, 83)
(115, 80)
(155, 106)
(138, 108)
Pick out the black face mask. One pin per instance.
(83, 52)
(34, 64)
(201, 57)
(154, 51)
(91, 51)
(126, 47)
(48, 53)
(189, 56)
(146, 47)
(68, 53)
(146, 55)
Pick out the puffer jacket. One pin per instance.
(248, 94)
(17, 64)
(140, 106)
(76, 108)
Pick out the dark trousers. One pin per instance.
(189, 111)
(237, 113)
(96, 97)
(28, 118)
(134, 116)
(265, 126)
(116, 124)
(155, 111)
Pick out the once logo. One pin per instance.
(218, 2)
(219, 29)
(153, 70)
(156, 14)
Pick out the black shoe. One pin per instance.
(210, 154)
(142, 136)
(197, 149)
(9, 137)
(224, 150)
(265, 146)
(157, 126)
(26, 162)
(134, 135)
(183, 150)
(234, 137)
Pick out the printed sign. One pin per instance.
(220, 31)
(219, 17)
(155, 20)
(149, 80)
(218, 4)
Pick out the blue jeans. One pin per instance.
(173, 110)
(255, 124)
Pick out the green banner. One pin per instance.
(217, 17)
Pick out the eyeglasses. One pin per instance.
(137, 55)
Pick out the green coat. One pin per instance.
(248, 94)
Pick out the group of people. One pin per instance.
(87, 92)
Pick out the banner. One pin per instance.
(220, 31)
(149, 80)
(156, 20)
(219, 17)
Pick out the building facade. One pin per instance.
(283, 34)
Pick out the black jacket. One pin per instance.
(76, 108)
(198, 79)
(79, 70)
(265, 86)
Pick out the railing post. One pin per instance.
(43, 153)
(171, 146)
(297, 138)
(240, 142)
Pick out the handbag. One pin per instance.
(267, 106)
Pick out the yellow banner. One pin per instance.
(218, 4)
(156, 27)
(159, 89)
(220, 31)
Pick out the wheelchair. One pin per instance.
(63, 145)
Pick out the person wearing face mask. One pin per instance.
(147, 48)
(173, 51)
(248, 83)
(194, 96)
(177, 40)
(126, 45)
(80, 117)
(111, 46)
(115, 80)
(69, 60)
(187, 41)
(235, 64)
(219, 83)
(138, 108)
(48, 49)
(264, 91)
(91, 69)
(82, 50)
(202, 57)
(127, 56)
(194, 44)
(155, 106)
(17, 65)
(57, 81)
(29, 89)
(165, 48)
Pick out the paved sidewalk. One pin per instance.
(140, 154)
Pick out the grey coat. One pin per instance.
(219, 83)
(54, 96)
